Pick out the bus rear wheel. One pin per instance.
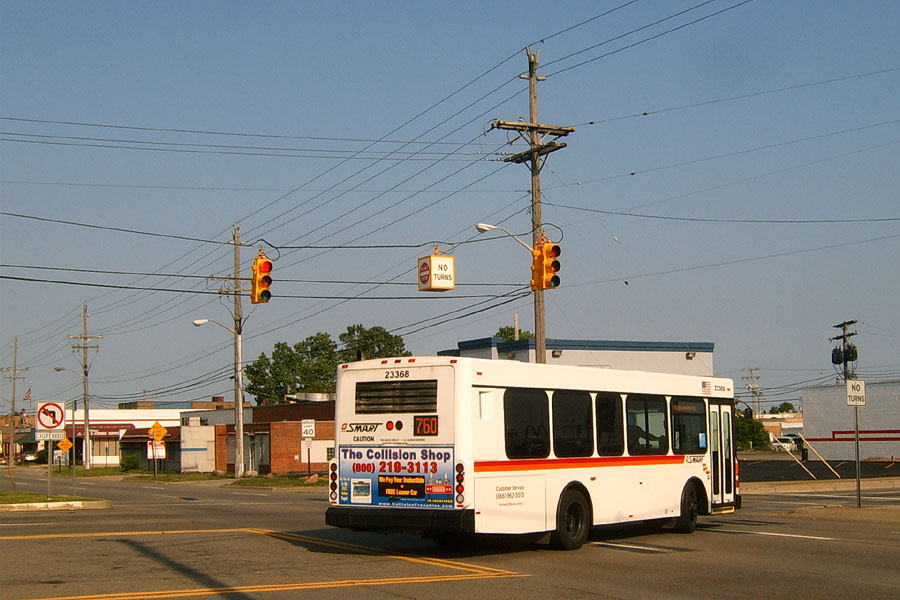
(573, 521)
(690, 508)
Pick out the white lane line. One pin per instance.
(248, 494)
(629, 547)
(769, 533)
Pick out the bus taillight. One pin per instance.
(460, 483)
(333, 476)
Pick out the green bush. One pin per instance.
(41, 457)
(750, 433)
(129, 462)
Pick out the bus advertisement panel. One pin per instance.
(396, 476)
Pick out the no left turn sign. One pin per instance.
(51, 415)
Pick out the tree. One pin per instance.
(784, 407)
(310, 366)
(361, 344)
(750, 433)
(507, 333)
(307, 367)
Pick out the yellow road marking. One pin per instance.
(471, 572)
(440, 562)
(45, 536)
(184, 593)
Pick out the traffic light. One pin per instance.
(537, 266)
(261, 279)
(550, 266)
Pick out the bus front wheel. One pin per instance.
(690, 508)
(573, 521)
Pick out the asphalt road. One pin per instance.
(779, 466)
(199, 539)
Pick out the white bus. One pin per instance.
(438, 445)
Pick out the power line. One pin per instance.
(739, 97)
(281, 280)
(742, 260)
(382, 140)
(285, 153)
(653, 37)
(624, 35)
(746, 151)
(216, 292)
(710, 220)
(225, 243)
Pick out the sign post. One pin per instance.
(157, 433)
(50, 424)
(856, 397)
(308, 432)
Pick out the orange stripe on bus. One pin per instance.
(574, 463)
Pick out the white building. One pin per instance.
(828, 423)
(109, 425)
(684, 358)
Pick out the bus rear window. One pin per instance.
(406, 396)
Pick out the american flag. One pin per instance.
(705, 388)
(27, 396)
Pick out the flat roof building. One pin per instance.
(683, 358)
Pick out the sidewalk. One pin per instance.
(865, 514)
(818, 485)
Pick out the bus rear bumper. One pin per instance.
(409, 520)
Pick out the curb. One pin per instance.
(74, 505)
(828, 485)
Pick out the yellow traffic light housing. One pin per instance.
(550, 266)
(261, 279)
(537, 266)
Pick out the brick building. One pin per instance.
(273, 439)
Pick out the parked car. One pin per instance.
(30, 457)
(785, 444)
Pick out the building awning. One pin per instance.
(25, 437)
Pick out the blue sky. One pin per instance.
(755, 205)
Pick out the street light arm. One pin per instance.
(483, 227)
(200, 322)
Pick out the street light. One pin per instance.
(86, 451)
(540, 335)
(238, 394)
(482, 227)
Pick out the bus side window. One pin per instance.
(688, 425)
(573, 433)
(647, 424)
(610, 436)
(526, 420)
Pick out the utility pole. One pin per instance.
(848, 354)
(535, 133)
(752, 386)
(238, 360)
(234, 288)
(12, 403)
(85, 368)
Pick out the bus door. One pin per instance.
(721, 451)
